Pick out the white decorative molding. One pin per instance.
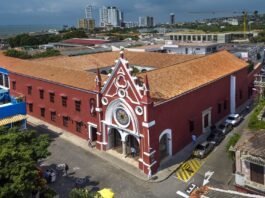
(121, 71)
(117, 81)
(167, 132)
(149, 124)
(134, 94)
(90, 125)
(121, 93)
(104, 101)
(111, 86)
(149, 154)
(109, 115)
(139, 110)
(98, 109)
(148, 165)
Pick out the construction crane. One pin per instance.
(244, 14)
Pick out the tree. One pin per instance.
(231, 143)
(135, 71)
(83, 193)
(79, 33)
(19, 153)
(250, 66)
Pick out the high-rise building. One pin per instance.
(87, 24)
(89, 12)
(150, 21)
(103, 16)
(142, 22)
(172, 19)
(146, 21)
(110, 16)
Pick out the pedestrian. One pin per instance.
(133, 151)
(194, 139)
(66, 168)
(47, 175)
(90, 143)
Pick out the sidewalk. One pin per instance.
(166, 170)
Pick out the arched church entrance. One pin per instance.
(115, 142)
(132, 146)
(165, 145)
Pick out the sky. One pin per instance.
(25, 12)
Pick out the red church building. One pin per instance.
(155, 112)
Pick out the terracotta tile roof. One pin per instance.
(91, 61)
(74, 78)
(252, 143)
(175, 80)
(179, 75)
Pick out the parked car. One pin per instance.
(203, 149)
(233, 119)
(216, 137)
(225, 127)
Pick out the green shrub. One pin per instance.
(232, 142)
(25, 55)
(254, 122)
(83, 193)
(17, 54)
(47, 53)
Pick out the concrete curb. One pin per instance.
(160, 176)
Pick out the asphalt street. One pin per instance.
(95, 173)
(219, 162)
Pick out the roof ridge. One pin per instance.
(190, 60)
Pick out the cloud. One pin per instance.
(68, 11)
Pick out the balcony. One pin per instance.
(12, 107)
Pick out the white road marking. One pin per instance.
(207, 177)
(182, 194)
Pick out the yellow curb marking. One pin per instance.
(188, 169)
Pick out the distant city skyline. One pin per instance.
(68, 12)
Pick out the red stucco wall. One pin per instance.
(175, 114)
(21, 88)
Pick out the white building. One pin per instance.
(89, 12)
(110, 16)
(172, 47)
(199, 36)
(231, 21)
(103, 16)
(146, 21)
